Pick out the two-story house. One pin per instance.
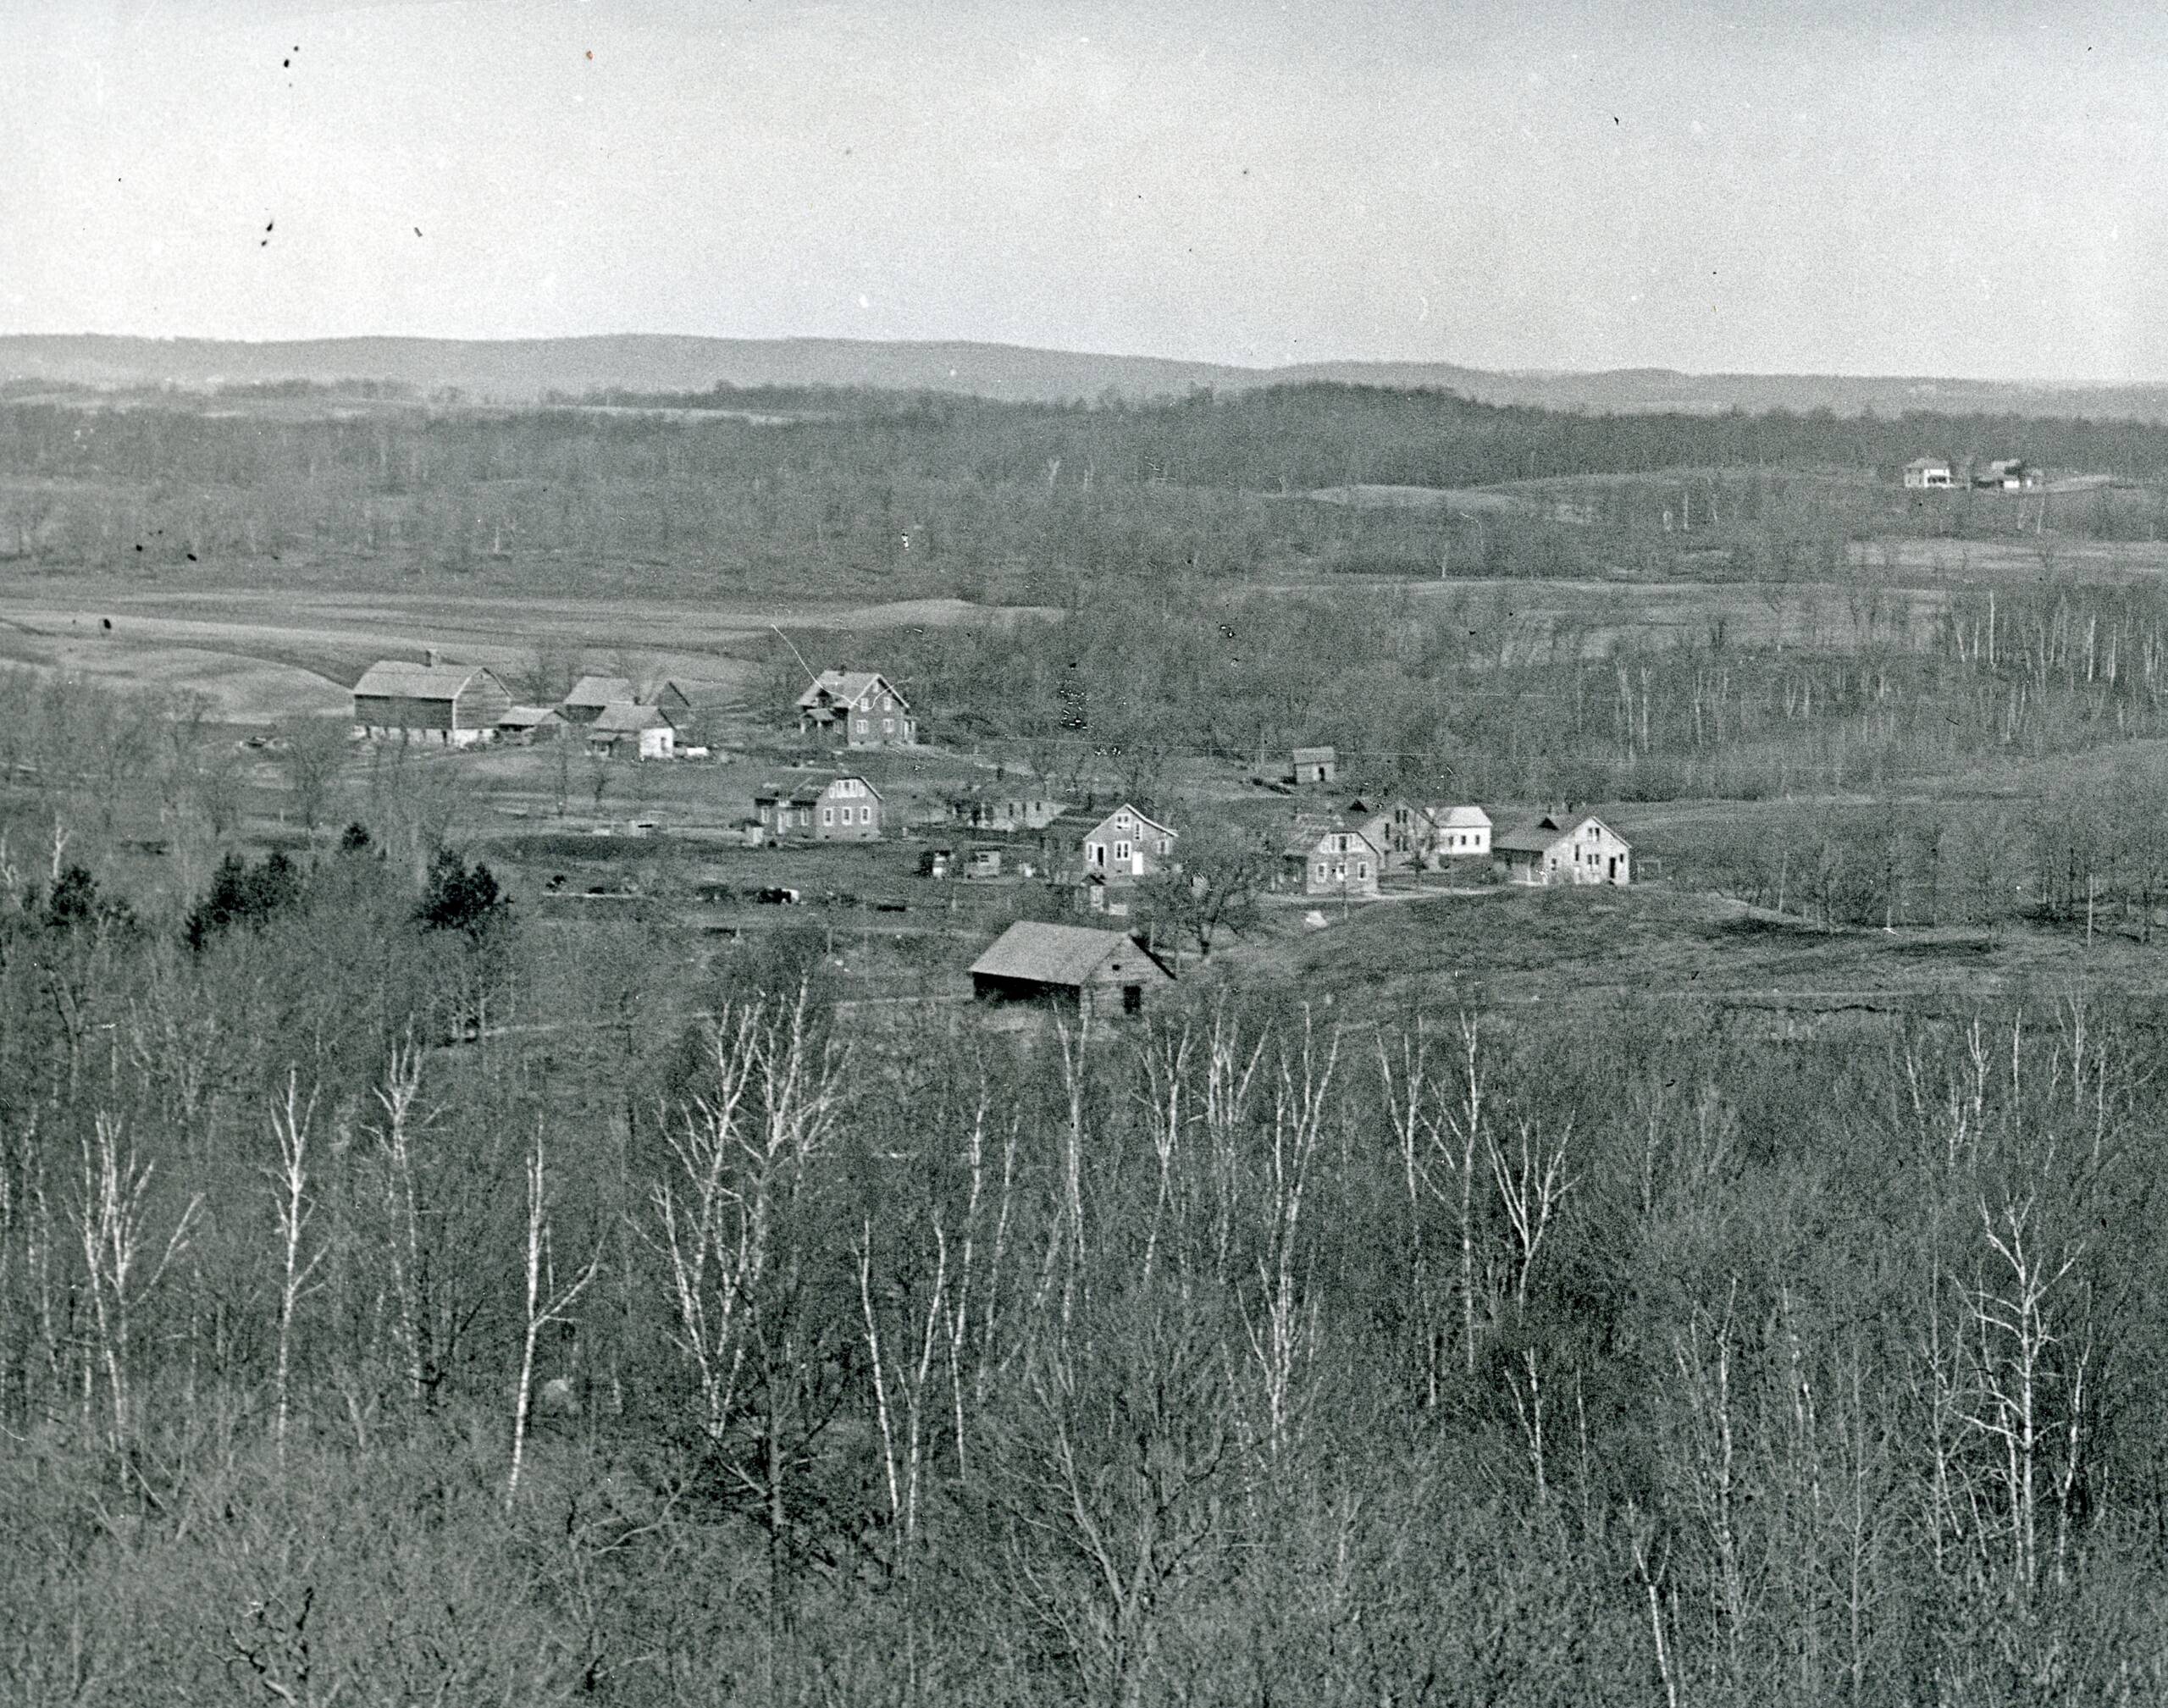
(1329, 856)
(856, 709)
(1120, 848)
(840, 809)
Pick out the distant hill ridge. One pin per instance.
(514, 370)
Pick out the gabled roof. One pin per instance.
(1928, 463)
(621, 716)
(1544, 833)
(849, 687)
(1316, 755)
(1106, 818)
(1309, 829)
(810, 789)
(528, 717)
(392, 679)
(601, 690)
(1050, 954)
(690, 689)
(1459, 817)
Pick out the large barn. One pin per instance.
(1093, 972)
(450, 704)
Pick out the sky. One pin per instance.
(1972, 191)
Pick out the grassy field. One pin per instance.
(1594, 950)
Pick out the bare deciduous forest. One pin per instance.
(406, 1296)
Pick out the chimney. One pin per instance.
(429, 657)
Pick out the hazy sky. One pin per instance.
(1951, 189)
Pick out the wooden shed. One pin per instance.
(1096, 973)
(449, 704)
(1316, 764)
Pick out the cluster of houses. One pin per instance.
(1345, 854)
(2004, 474)
(465, 705)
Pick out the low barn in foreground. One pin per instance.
(448, 705)
(1565, 849)
(1096, 973)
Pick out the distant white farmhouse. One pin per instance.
(1457, 832)
(1928, 474)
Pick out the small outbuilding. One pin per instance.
(1316, 764)
(1095, 973)
(530, 723)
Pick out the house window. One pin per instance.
(1320, 868)
(1099, 851)
(862, 724)
(1362, 869)
(827, 814)
(1121, 850)
(1163, 844)
(887, 725)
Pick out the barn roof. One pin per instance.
(392, 679)
(528, 717)
(619, 716)
(601, 690)
(1051, 954)
(1316, 755)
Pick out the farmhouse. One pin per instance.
(840, 809)
(1329, 856)
(530, 723)
(591, 693)
(1928, 474)
(2007, 474)
(1316, 764)
(640, 730)
(1398, 831)
(1096, 973)
(451, 704)
(1118, 849)
(1565, 849)
(856, 709)
(1457, 832)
